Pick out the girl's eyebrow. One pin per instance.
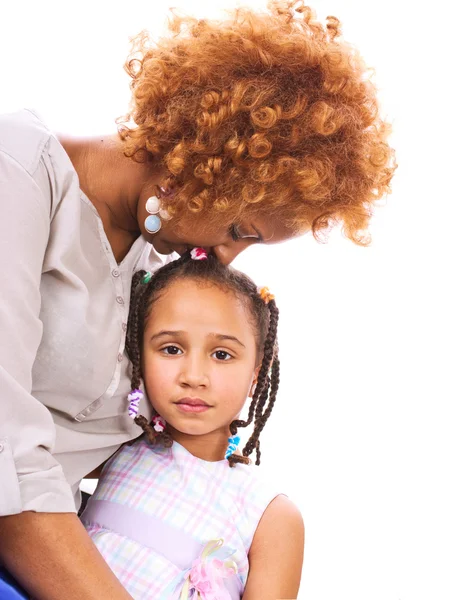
(224, 337)
(219, 336)
(166, 333)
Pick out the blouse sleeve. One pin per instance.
(30, 478)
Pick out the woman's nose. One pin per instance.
(226, 253)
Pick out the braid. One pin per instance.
(138, 276)
(261, 421)
(268, 386)
(154, 437)
(134, 341)
(258, 453)
(134, 327)
(237, 458)
(261, 384)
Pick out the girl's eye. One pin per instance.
(171, 350)
(222, 355)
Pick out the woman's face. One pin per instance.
(224, 242)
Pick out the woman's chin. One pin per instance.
(162, 247)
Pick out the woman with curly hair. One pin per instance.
(250, 130)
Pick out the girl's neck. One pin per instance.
(113, 183)
(210, 447)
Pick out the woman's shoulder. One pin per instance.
(23, 137)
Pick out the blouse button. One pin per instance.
(115, 273)
(1, 447)
(120, 357)
(124, 326)
(119, 299)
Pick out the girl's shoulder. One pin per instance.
(131, 457)
(276, 552)
(249, 494)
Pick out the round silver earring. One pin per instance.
(153, 205)
(153, 222)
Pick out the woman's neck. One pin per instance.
(114, 185)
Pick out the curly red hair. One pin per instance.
(267, 114)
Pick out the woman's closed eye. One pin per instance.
(222, 355)
(234, 233)
(237, 234)
(171, 350)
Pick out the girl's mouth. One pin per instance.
(192, 405)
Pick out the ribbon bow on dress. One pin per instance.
(204, 580)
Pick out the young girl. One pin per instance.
(171, 517)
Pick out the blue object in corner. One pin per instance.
(9, 588)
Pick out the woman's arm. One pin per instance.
(43, 545)
(31, 478)
(276, 553)
(53, 557)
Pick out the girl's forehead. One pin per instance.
(200, 303)
(187, 293)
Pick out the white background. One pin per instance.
(364, 434)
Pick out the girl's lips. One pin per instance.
(192, 405)
(192, 408)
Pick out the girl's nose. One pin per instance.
(194, 374)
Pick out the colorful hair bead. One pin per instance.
(234, 441)
(265, 294)
(199, 254)
(134, 400)
(159, 423)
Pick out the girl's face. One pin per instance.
(199, 363)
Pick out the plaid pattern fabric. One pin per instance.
(199, 500)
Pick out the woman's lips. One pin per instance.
(192, 405)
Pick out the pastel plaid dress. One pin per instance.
(172, 526)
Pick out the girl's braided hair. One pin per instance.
(147, 289)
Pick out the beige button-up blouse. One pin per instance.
(64, 302)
